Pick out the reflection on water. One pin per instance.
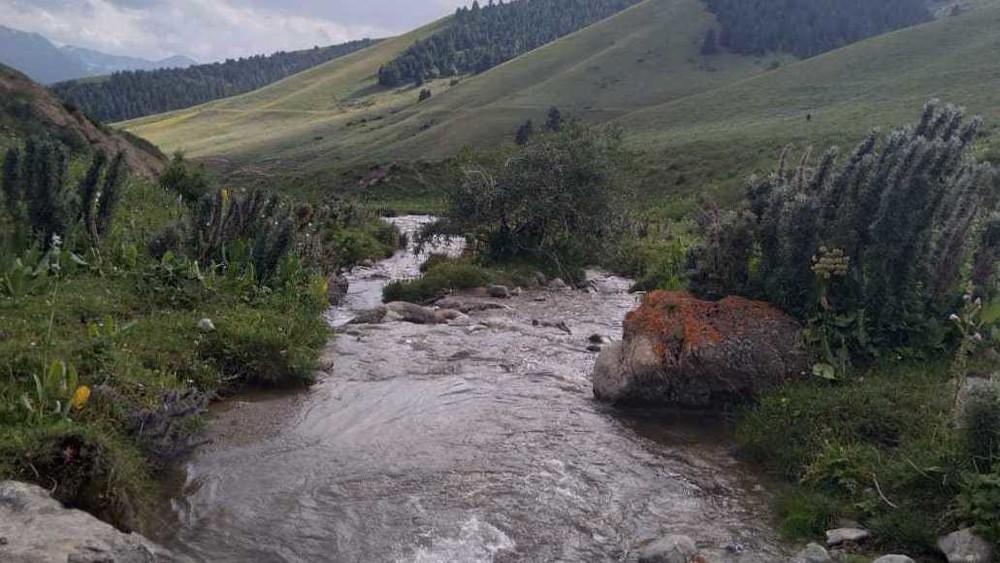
(464, 443)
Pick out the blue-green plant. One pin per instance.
(53, 392)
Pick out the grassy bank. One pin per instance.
(883, 448)
(110, 351)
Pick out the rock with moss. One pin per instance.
(682, 351)
(669, 549)
(336, 289)
(964, 546)
(34, 527)
(411, 313)
(813, 553)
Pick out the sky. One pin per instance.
(210, 30)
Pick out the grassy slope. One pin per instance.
(641, 57)
(703, 124)
(720, 136)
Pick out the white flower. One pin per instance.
(954, 318)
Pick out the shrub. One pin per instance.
(980, 427)
(805, 513)
(980, 503)
(436, 281)
(560, 199)
(900, 212)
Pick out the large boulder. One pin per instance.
(670, 549)
(964, 546)
(412, 313)
(683, 351)
(336, 289)
(34, 527)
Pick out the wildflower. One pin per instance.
(80, 397)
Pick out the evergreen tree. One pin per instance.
(111, 193)
(425, 94)
(480, 38)
(554, 120)
(524, 133)
(88, 193)
(13, 190)
(808, 27)
(709, 46)
(130, 94)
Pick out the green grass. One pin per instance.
(335, 116)
(879, 447)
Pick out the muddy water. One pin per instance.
(477, 441)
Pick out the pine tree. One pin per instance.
(12, 187)
(554, 121)
(87, 192)
(524, 133)
(111, 193)
(709, 46)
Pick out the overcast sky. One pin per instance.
(216, 29)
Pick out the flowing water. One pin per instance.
(472, 441)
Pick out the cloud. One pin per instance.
(205, 29)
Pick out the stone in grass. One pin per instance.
(842, 536)
(964, 546)
(206, 325)
(669, 549)
(498, 292)
(813, 553)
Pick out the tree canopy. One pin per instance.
(480, 38)
(131, 94)
(809, 27)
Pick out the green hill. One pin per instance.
(702, 122)
(336, 113)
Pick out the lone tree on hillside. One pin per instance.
(554, 122)
(524, 133)
(425, 94)
(710, 45)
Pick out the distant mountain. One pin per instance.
(37, 57)
(43, 62)
(98, 63)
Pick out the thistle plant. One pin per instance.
(904, 207)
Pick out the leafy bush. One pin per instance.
(439, 278)
(980, 503)
(560, 199)
(980, 426)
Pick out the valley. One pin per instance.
(679, 281)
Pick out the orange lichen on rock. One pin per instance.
(677, 349)
(679, 322)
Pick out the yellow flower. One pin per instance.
(225, 195)
(80, 397)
